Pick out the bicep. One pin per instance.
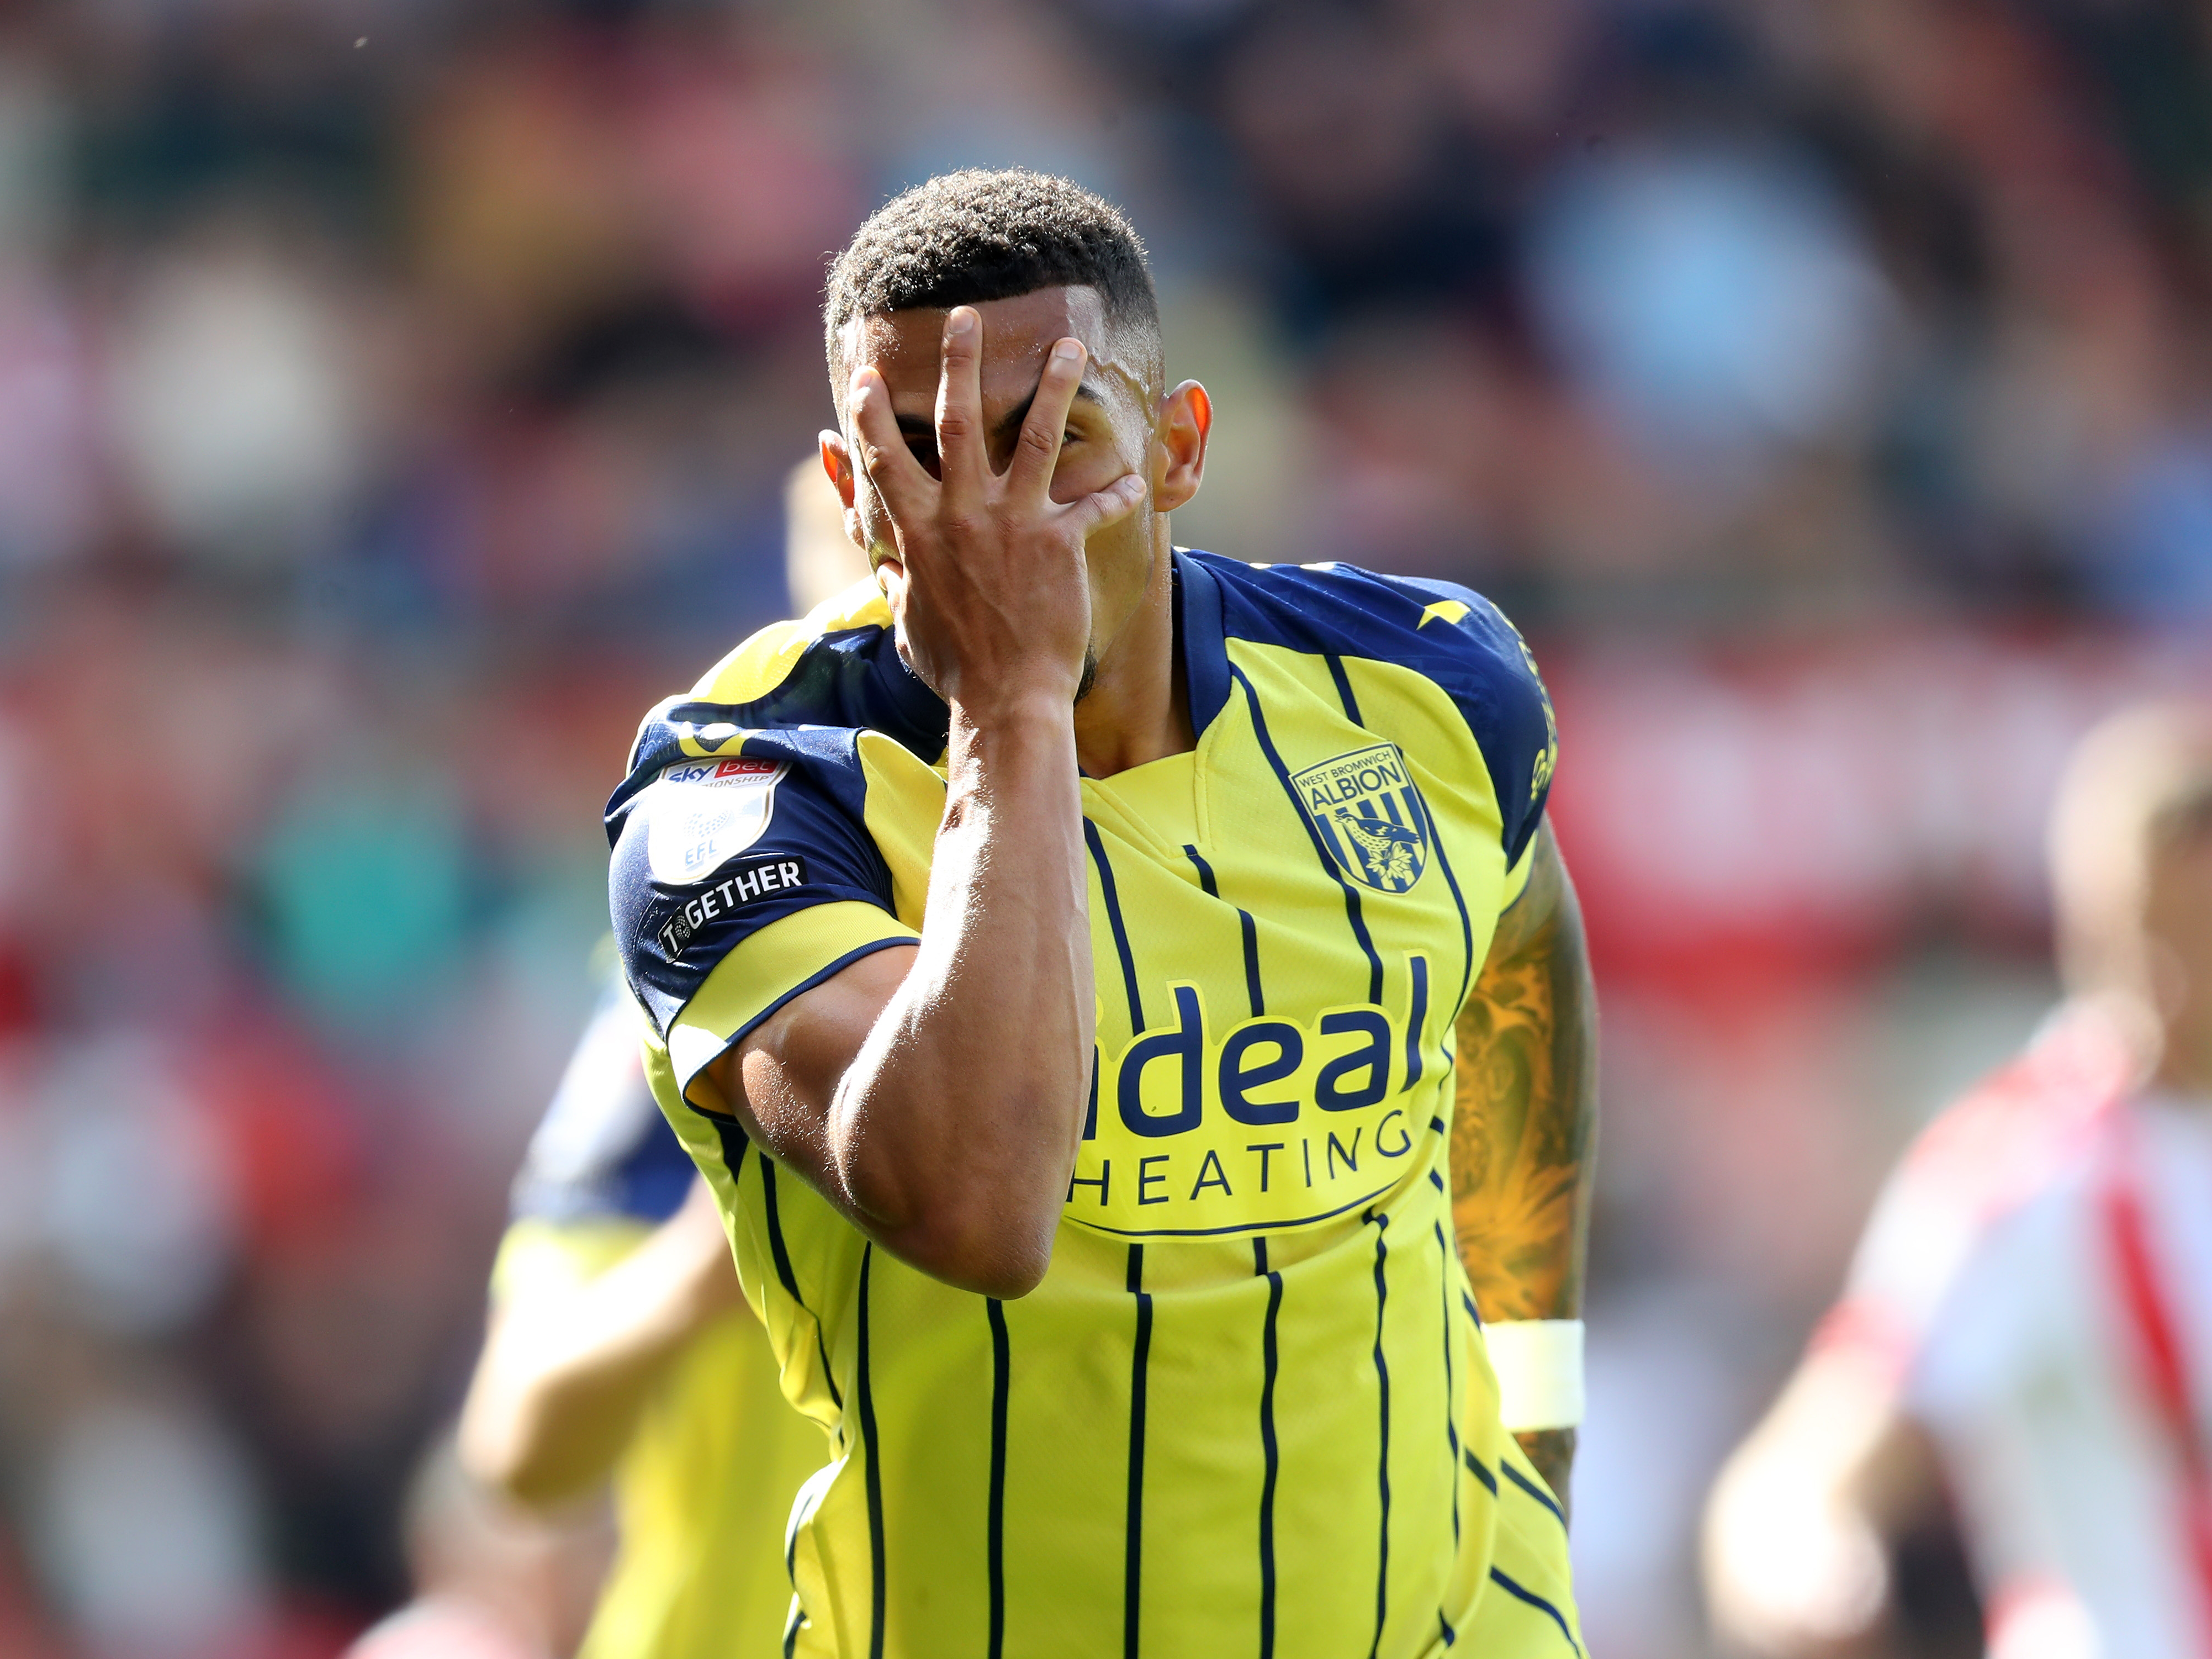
(1534, 910)
(1507, 1031)
(780, 1078)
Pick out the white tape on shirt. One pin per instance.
(1539, 1363)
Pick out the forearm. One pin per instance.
(564, 1376)
(940, 1113)
(1524, 1125)
(954, 1131)
(1832, 1476)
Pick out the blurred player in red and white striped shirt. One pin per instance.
(2029, 1317)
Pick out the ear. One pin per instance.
(837, 462)
(1179, 457)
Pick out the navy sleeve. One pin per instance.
(718, 832)
(603, 1150)
(1465, 644)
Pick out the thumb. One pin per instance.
(892, 576)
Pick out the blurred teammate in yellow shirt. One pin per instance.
(620, 1341)
(620, 1344)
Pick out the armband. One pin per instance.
(1539, 1363)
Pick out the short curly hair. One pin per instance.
(978, 234)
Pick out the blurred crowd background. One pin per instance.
(396, 396)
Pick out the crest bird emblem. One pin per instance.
(1386, 848)
(1366, 812)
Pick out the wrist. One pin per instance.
(1043, 711)
(992, 747)
(1024, 753)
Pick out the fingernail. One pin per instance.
(961, 321)
(1068, 349)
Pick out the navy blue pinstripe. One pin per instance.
(873, 1469)
(1270, 1358)
(1112, 896)
(1351, 910)
(1539, 1604)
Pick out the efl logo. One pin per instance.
(701, 814)
(1369, 816)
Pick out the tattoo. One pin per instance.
(1525, 1114)
(1524, 1121)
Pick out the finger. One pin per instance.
(1036, 454)
(960, 458)
(891, 576)
(1109, 506)
(891, 466)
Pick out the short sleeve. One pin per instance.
(603, 1151)
(1480, 659)
(740, 878)
(2001, 1313)
(1517, 878)
(1914, 1241)
(1997, 1147)
(602, 1170)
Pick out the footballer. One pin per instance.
(1130, 1013)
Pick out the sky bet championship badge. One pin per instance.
(1370, 816)
(705, 813)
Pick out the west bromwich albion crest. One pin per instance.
(1370, 817)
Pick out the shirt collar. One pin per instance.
(1198, 636)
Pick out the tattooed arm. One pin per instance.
(1525, 1124)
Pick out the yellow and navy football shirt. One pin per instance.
(1247, 1411)
(703, 1488)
